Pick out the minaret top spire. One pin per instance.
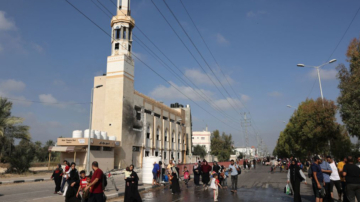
(124, 6)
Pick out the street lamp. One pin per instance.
(88, 150)
(318, 73)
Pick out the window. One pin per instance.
(202, 138)
(96, 148)
(157, 134)
(138, 113)
(165, 138)
(156, 153)
(136, 149)
(165, 118)
(166, 134)
(148, 135)
(107, 148)
(157, 115)
(117, 46)
(147, 153)
(117, 33)
(179, 140)
(129, 48)
(178, 155)
(164, 155)
(124, 32)
(147, 111)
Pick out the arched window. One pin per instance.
(148, 135)
(158, 136)
(166, 135)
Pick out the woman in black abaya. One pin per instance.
(131, 187)
(175, 181)
(295, 176)
(197, 173)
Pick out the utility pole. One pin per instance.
(246, 123)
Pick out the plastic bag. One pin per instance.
(288, 189)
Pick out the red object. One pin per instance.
(217, 181)
(206, 168)
(83, 183)
(97, 188)
(67, 168)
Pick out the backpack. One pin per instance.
(239, 171)
(104, 181)
(310, 172)
(186, 175)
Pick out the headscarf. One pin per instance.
(175, 171)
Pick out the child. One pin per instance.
(83, 183)
(127, 173)
(215, 184)
(186, 176)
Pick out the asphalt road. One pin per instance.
(253, 185)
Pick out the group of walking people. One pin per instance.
(211, 177)
(79, 187)
(326, 174)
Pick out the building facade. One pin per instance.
(202, 138)
(144, 126)
(246, 151)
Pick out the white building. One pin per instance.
(202, 138)
(246, 151)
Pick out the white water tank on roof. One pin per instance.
(104, 135)
(97, 134)
(86, 134)
(148, 165)
(112, 138)
(77, 134)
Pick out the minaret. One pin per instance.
(119, 88)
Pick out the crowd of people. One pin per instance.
(213, 177)
(76, 186)
(325, 174)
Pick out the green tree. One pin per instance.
(21, 157)
(200, 151)
(221, 146)
(309, 130)
(10, 128)
(349, 99)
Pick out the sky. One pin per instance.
(50, 54)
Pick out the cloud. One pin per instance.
(275, 94)
(37, 47)
(231, 103)
(58, 82)
(10, 89)
(171, 93)
(5, 23)
(252, 14)
(12, 85)
(199, 77)
(50, 100)
(324, 74)
(221, 39)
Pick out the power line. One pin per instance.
(192, 53)
(155, 71)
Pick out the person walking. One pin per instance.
(197, 173)
(82, 186)
(155, 171)
(295, 176)
(215, 184)
(175, 188)
(340, 167)
(326, 170)
(351, 172)
(234, 175)
(65, 175)
(317, 179)
(131, 187)
(56, 176)
(96, 184)
(74, 183)
(334, 178)
(205, 169)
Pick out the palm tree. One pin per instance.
(10, 126)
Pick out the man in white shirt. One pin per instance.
(233, 169)
(334, 177)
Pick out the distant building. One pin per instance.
(246, 151)
(202, 138)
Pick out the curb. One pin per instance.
(116, 195)
(22, 181)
